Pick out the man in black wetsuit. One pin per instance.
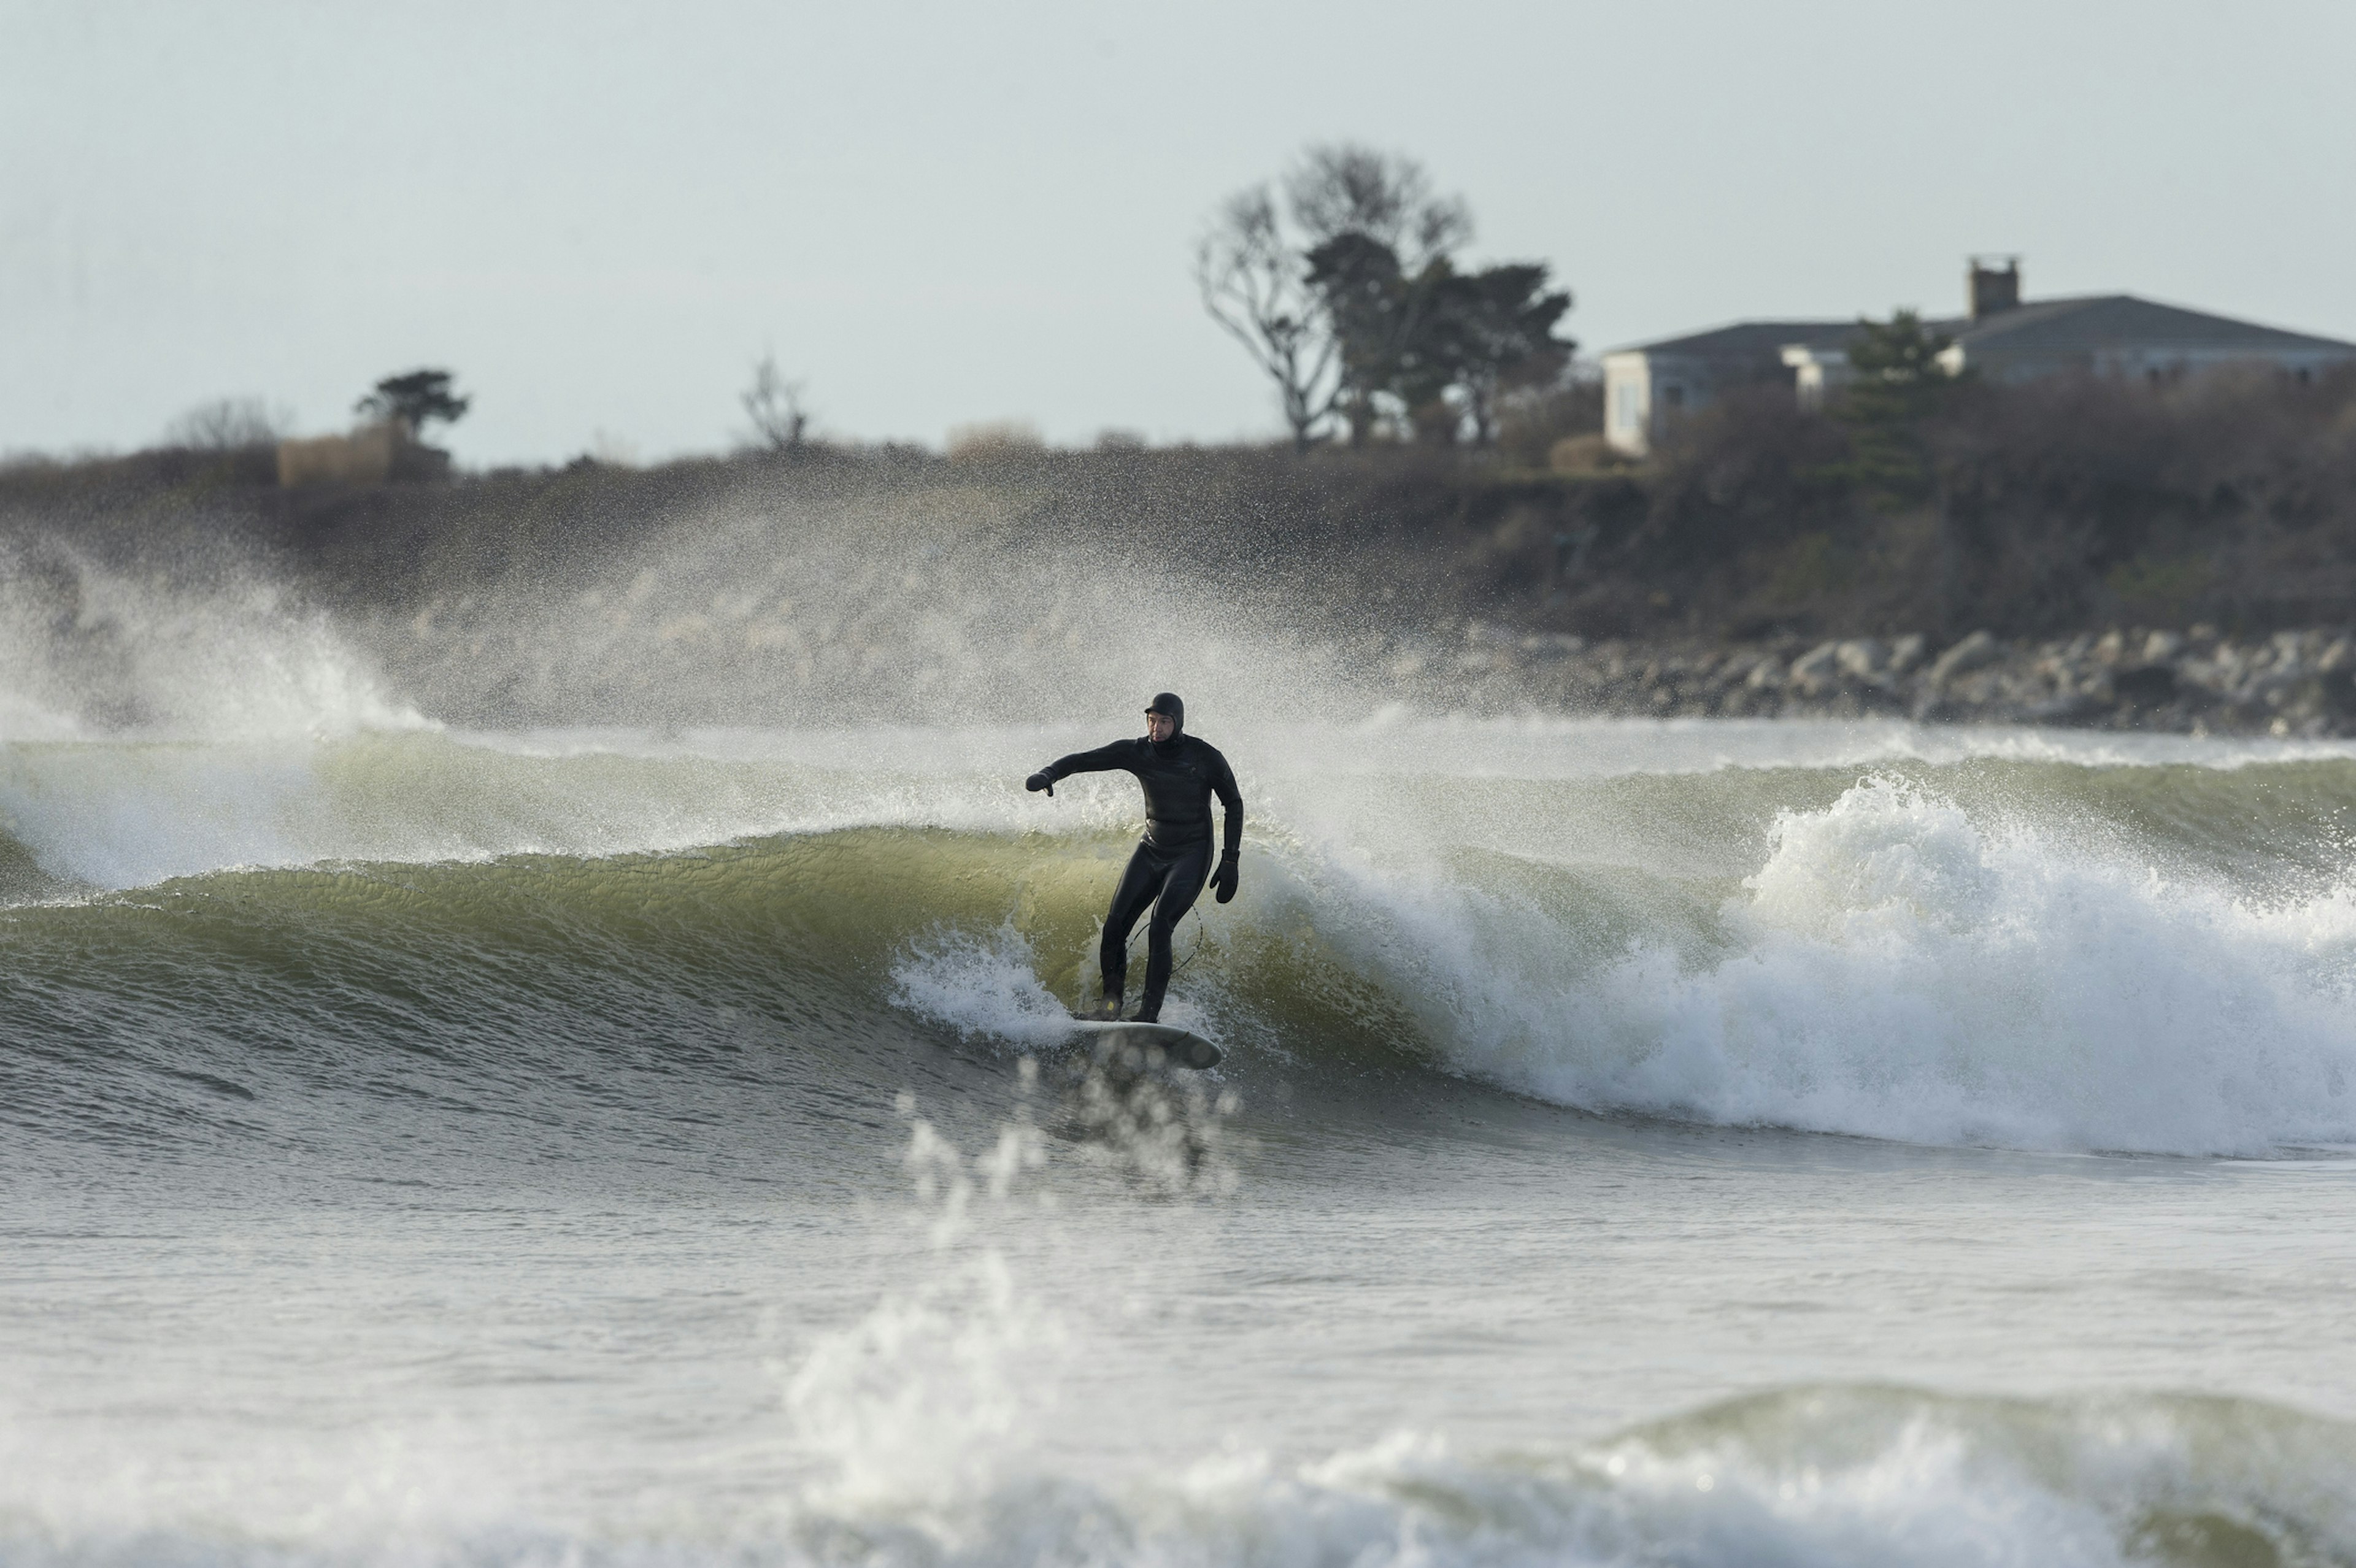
(1180, 774)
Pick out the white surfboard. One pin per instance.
(1162, 1042)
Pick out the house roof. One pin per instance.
(2122, 321)
(1747, 339)
(2091, 324)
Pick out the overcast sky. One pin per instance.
(600, 214)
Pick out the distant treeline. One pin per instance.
(2056, 507)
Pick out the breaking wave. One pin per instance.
(2030, 940)
(2024, 954)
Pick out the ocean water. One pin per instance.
(435, 1139)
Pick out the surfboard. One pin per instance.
(1165, 1042)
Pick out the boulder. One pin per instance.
(1814, 670)
(1974, 652)
(1862, 657)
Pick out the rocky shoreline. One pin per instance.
(2195, 682)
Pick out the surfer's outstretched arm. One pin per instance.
(1118, 757)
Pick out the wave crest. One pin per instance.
(1896, 970)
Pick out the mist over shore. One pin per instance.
(848, 583)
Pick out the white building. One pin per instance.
(2003, 340)
(1649, 385)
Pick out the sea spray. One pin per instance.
(1163, 1127)
(218, 650)
(934, 1396)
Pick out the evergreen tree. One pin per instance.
(1898, 381)
(1381, 318)
(1498, 330)
(414, 399)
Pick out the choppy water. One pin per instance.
(1691, 1142)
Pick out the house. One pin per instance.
(1647, 386)
(2005, 338)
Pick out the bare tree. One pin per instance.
(1255, 283)
(1302, 290)
(774, 406)
(1345, 188)
(228, 424)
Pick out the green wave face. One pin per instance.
(567, 996)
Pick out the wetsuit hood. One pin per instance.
(1170, 702)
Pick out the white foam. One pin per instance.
(1536, 746)
(1895, 969)
(933, 1417)
(2060, 1485)
(928, 1428)
(983, 987)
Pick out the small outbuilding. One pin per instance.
(364, 457)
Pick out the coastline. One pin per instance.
(2292, 684)
(546, 596)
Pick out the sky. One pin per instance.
(599, 215)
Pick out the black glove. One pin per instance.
(1223, 880)
(1037, 782)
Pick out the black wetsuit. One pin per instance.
(1180, 776)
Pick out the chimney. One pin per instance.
(1993, 288)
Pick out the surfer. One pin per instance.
(1180, 773)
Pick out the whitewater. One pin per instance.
(459, 1111)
